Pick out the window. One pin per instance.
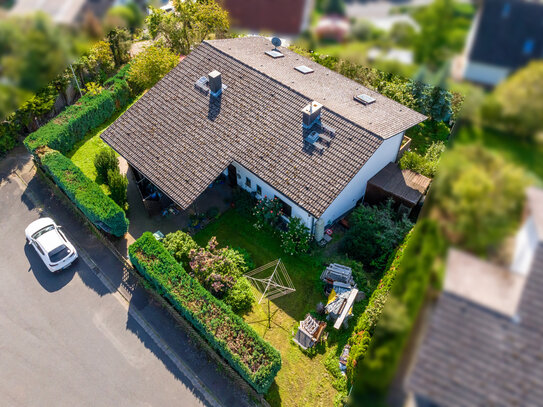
(528, 46)
(258, 190)
(287, 209)
(248, 182)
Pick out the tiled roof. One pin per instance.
(474, 356)
(276, 16)
(503, 29)
(384, 118)
(181, 139)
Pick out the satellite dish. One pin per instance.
(276, 42)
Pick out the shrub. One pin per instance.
(243, 200)
(295, 239)
(416, 268)
(267, 212)
(93, 88)
(180, 244)
(251, 356)
(118, 185)
(149, 66)
(375, 232)
(86, 194)
(426, 165)
(105, 161)
(365, 325)
(478, 197)
(240, 298)
(248, 260)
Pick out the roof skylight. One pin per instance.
(303, 69)
(364, 99)
(274, 54)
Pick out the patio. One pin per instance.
(218, 195)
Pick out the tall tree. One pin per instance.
(190, 23)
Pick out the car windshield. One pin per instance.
(42, 231)
(59, 253)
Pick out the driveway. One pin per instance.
(72, 338)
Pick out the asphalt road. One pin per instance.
(65, 339)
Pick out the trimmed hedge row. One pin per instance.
(250, 355)
(417, 269)
(84, 193)
(365, 325)
(76, 120)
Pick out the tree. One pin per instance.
(520, 100)
(477, 197)
(149, 66)
(336, 7)
(104, 161)
(432, 42)
(118, 185)
(190, 23)
(375, 232)
(120, 41)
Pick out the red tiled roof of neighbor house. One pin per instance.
(275, 16)
(181, 139)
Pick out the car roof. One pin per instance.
(49, 241)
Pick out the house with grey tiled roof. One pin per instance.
(483, 342)
(274, 122)
(505, 36)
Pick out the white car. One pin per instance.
(51, 244)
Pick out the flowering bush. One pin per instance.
(219, 270)
(267, 212)
(296, 238)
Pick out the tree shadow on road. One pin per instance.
(133, 325)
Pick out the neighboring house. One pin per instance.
(483, 345)
(69, 12)
(236, 107)
(505, 36)
(284, 17)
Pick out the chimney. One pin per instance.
(311, 114)
(215, 83)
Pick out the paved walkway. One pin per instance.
(153, 326)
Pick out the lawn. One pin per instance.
(302, 380)
(524, 154)
(85, 150)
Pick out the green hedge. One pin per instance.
(365, 325)
(70, 126)
(251, 356)
(412, 270)
(86, 194)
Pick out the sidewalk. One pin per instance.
(170, 342)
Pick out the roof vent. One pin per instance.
(202, 85)
(274, 54)
(311, 114)
(364, 99)
(312, 137)
(304, 69)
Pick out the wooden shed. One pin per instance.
(405, 187)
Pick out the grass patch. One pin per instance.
(524, 154)
(85, 150)
(303, 380)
